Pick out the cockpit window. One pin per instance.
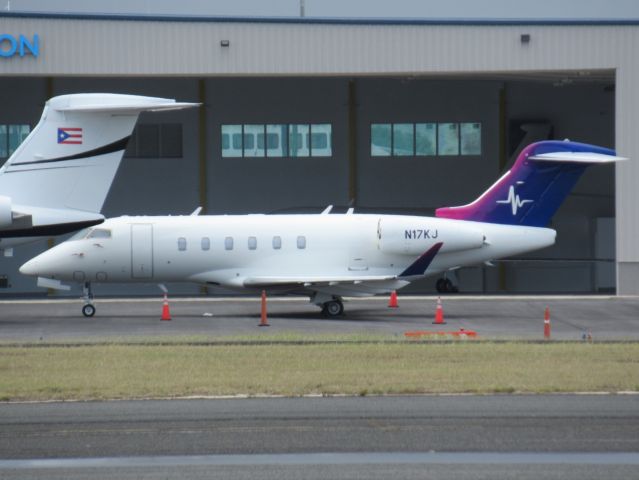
(99, 233)
(80, 235)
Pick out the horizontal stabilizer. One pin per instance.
(129, 107)
(577, 157)
(111, 102)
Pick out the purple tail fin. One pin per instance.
(533, 189)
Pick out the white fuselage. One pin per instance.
(237, 251)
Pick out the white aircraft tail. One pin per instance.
(71, 157)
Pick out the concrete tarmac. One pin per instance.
(555, 436)
(606, 318)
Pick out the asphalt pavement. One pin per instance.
(533, 436)
(604, 318)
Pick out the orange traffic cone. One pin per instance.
(263, 320)
(166, 314)
(547, 324)
(392, 301)
(439, 313)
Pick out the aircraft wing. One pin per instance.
(354, 286)
(311, 281)
(349, 284)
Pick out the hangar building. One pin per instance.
(392, 116)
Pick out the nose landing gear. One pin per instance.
(88, 310)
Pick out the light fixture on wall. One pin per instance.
(224, 43)
(524, 38)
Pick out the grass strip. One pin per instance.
(117, 371)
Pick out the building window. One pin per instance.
(171, 140)
(298, 140)
(321, 140)
(381, 139)
(470, 138)
(277, 242)
(231, 140)
(181, 244)
(277, 140)
(425, 139)
(448, 139)
(403, 140)
(228, 243)
(11, 136)
(206, 243)
(154, 140)
(254, 141)
(252, 243)
(301, 242)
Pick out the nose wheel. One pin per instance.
(88, 310)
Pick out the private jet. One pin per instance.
(326, 256)
(58, 178)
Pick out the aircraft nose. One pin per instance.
(32, 267)
(41, 265)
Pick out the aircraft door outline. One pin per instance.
(142, 251)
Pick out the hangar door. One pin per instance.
(141, 251)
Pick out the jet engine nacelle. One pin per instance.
(6, 218)
(414, 235)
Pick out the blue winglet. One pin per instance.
(419, 266)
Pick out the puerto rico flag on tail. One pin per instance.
(70, 136)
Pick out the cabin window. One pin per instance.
(252, 243)
(301, 242)
(99, 233)
(277, 242)
(206, 243)
(181, 244)
(228, 243)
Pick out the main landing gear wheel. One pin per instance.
(88, 310)
(444, 285)
(333, 308)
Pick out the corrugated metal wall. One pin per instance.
(146, 47)
(77, 47)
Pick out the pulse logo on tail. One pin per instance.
(545, 172)
(513, 199)
(70, 136)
